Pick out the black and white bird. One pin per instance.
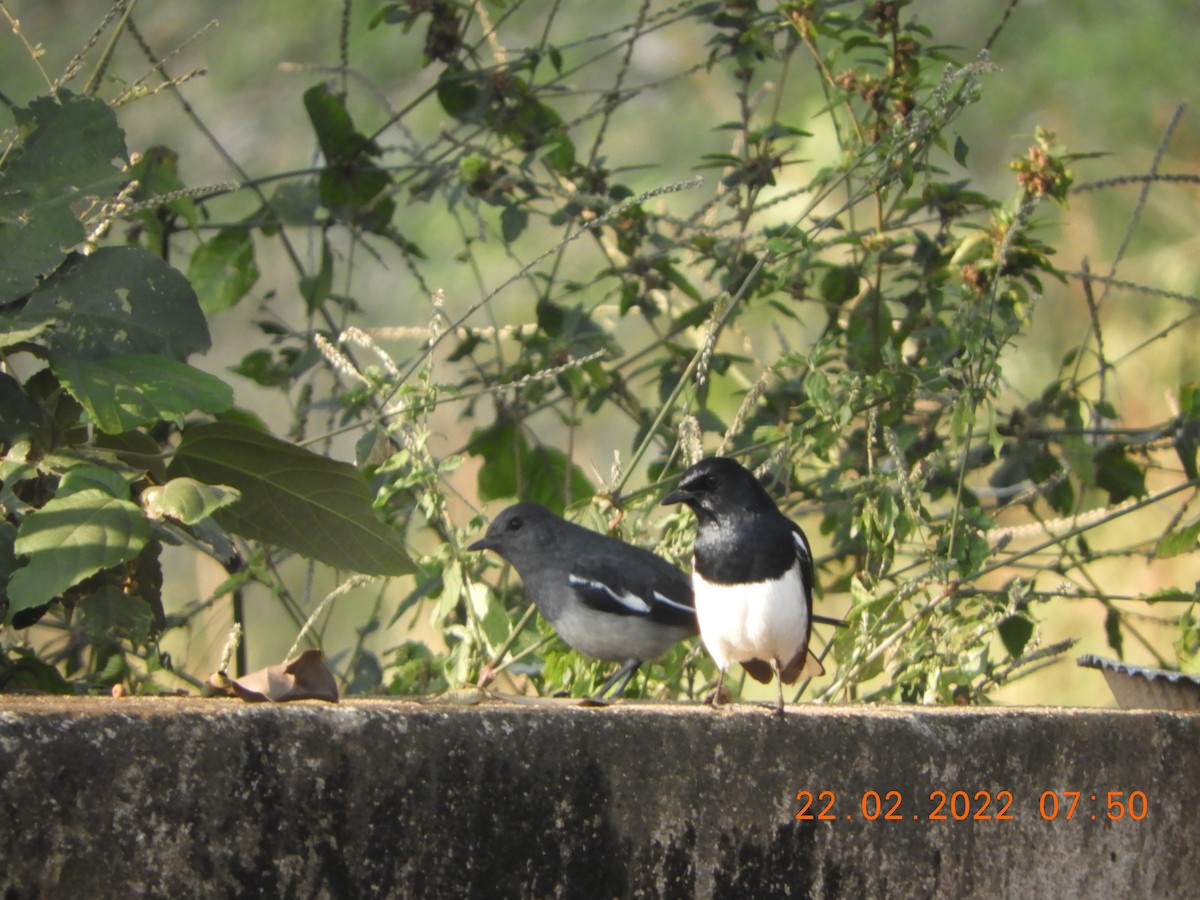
(606, 598)
(752, 574)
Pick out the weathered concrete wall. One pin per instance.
(192, 798)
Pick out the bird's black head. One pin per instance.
(519, 530)
(719, 488)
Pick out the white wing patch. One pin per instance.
(667, 601)
(802, 548)
(631, 602)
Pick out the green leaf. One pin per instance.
(157, 174)
(1171, 595)
(262, 367)
(1112, 630)
(497, 626)
(675, 277)
(1118, 474)
(109, 613)
(70, 539)
(72, 145)
(777, 130)
(1026, 460)
(118, 300)
(560, 151)
(66, 156)
(125, 392)
(1187, 442)
(351, 193)
(512, 222)
(972, 248)
(960, 150)
(1189, 401)
(292, 498)
(187, 500)
(20, 416)
(32, 674)
(136, 449)
(10, 336)
(8, 556)
(222, 270)
(85, 477)
(351, 183)
(1187, 437)
(34, 247)
(513, 468)
(296, 203)
(839, 284)
(340, 141)
(1178, 542)
(459, 94)
(316, 288)
(1015, 632)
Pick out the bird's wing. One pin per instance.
(804, 558)
(804, 665)
(640, 591)
(808, 579)
(805, 662)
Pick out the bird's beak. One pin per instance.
(482, 544)
(676, 497)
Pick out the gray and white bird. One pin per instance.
(752, 575)
(606, 598)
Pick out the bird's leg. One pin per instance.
(779, 682)
(622, 675)
(714, 699)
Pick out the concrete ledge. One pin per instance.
(209, 798)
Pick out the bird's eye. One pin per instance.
(515, 523)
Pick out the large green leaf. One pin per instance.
(292, 498)
(71, 147)
(124, 392)
(67, 154)
(71, 538)
(34, 246)
(118, 301)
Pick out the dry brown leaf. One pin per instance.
(306, 677)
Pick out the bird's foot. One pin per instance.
(773, 708)
(717, 698)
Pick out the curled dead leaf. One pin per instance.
(306, 677)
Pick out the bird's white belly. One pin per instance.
(767, 620)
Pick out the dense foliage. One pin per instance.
(820, 289)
